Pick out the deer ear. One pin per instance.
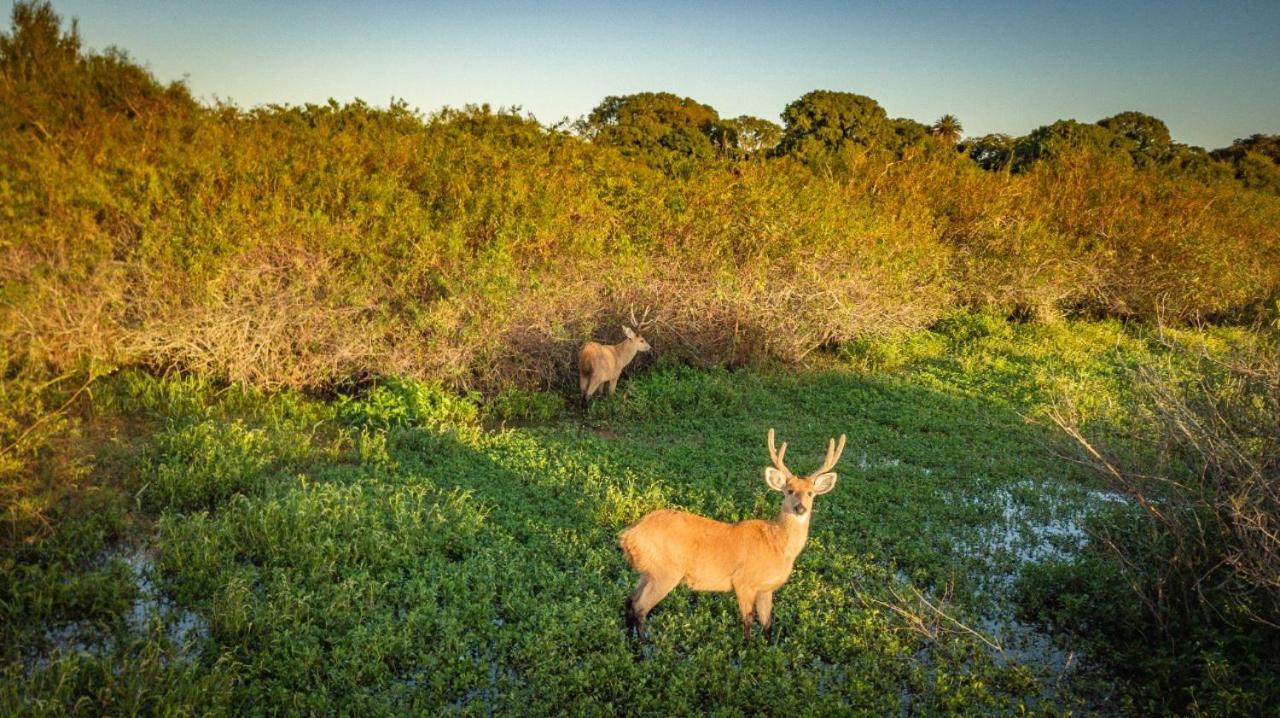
(823, 483)
(774, 478)
(627, 330)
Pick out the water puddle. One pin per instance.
(1026, 522)
(151, 610)
(1038, 520)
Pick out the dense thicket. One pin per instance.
(304, 246)
(1181, 597)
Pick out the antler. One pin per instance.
(833, 455)
(776, 455)
(643, 321)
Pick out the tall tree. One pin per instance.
(1149, 135)
(658, 127)
(1257, 171)
(1255, 161)
(825, 123)
(1265, 145)
(991, 152)
(947, 128)
(1051, 141)
(908, 132)
(746, 135)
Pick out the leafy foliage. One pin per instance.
(1149, 135)
(397, 403)
(991, 152)
(947, 128)
(1184, 588)
(316, 246)
(824, 124)
(748, 136)
(658, 127)
(1256, 160)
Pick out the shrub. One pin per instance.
(307, 247)
(515, 404)
(1199, 554)
(397, 403)
(200, 465)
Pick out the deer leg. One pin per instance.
(746, 603)
(647, 594)
(764, 611)
(629, 608)
(613, 385)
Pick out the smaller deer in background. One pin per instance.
(600, 364)
(751, 558)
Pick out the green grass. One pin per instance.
(408, 550)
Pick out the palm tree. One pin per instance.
(947, 129)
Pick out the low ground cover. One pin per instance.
(409, 549)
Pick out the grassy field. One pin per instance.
(409, 550)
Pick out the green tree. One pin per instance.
(824, 123)
(1257, 171)
(1195, 162)
(1149, 135)
(907, 132)
(658, 127)
(1050, 142)
(947, 128)
(1265, 145)
(991, 152)
(746, 135)
(1255, 161)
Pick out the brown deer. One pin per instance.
(751, 558)
(600, 364)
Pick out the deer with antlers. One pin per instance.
(751, 558)
(601, 364)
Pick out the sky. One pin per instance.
(1210, 70)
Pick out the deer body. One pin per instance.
(712, 555)
(601, 364)
(751, 558)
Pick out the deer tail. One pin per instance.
(626, 543)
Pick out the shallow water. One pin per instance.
(1039, 520)
(182, 629)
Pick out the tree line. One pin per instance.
(823, 126)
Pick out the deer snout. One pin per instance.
(801, 510)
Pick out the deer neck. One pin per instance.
(791, 533)
(625, 351)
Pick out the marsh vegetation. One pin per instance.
(288, 416)
(412, 549)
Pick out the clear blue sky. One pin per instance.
(1211, 70)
